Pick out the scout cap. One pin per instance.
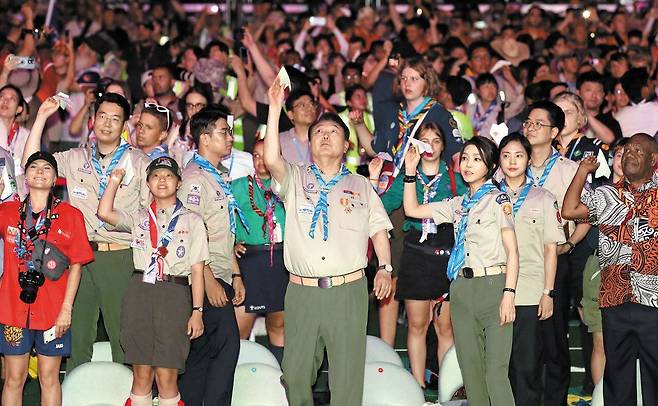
(42, 155)
(163, 162)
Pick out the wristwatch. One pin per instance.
(198, 308)
(571, 246)
(550, 292)
(386, 267)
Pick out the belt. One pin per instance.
(180, 280)
(107, 246)
(326, 282)
(469, 272)
(263, 247)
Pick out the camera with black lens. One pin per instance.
(30, 282)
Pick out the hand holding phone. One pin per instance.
(318, 21)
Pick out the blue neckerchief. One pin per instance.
(157, 152)
(103, 176)
(322, 206)
(166, 237)
(457, 256)
(408, 116)
(398, 159)
(524, 194)
(551, 161)
(232, 203)
(429, 191)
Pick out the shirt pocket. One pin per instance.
(354, 214)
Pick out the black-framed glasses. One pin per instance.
(160, 109)
(534, 125)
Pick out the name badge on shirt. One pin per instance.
(80, 193)
(138, 243)
(305, 210)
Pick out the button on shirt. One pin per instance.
(483, 244)
(536, 224)
(189, 245)
(355, 214)
(201, 194)
(628, 241)
(82, 183)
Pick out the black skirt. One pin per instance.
(265, 285)
(422, 274)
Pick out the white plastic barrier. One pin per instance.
(99, 383)
(377, 350)
(597, 395)
(254, 353)
(450, 376)
(386, 384)
(102, 352)
(258, 385)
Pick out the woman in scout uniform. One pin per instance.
(538, 228)
(483, 266)
(422, 280)
(40, 281)
(160, 315)
(260, 253)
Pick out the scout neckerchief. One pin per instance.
(542, 179)
(479, 118)
(322, 207)
(406, 123)
(269, 217)
(103, 176)
(232, 204)
(29, 231)
(522, 196)
(13, 130)
(155, 270)
(457, 256)
(429, 191)
(157, 152)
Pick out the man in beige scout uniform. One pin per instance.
(332, 213)
(208, 377)
(87, 170)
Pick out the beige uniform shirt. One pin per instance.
(355, 214)
(184, 250)
(82, 183)
(537, 223)
(203, 195)
(483, 242)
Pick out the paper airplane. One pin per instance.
(498, 132)
(499, 65)
(384, 156)
(63, 100)
(284, 79)
(603, 170)
(421, 147)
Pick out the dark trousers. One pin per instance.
(210, 366)
(630, 332)
(524, 367)
(555, 355)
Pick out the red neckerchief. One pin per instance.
(13, 130)
(153, 234)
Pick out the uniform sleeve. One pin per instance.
(144, 192)
(392, 199)
(63, 161)
(125, 223)
(286, 187)
(442, 211)
(377, 217)
(190, 194)
(80, 251)
(503, 211)
(199, 244)
(553, 230)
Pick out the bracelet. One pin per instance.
(374, 179)
(409, 179)
(511, 290)
(236, 275)
(571, 246)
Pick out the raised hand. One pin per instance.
(117, 175)
(411, 160)
(275, 94)
(48, 107)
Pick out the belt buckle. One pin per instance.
(467, 272)
(324, 282)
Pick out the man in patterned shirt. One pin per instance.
(627, 215)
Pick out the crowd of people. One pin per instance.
(489, 169)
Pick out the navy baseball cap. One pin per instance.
(164, 162)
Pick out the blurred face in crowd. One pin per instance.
(538, 129)
(618, 68)
(369, 64)
(570, 64)
(616, 163)
(328, 140)
(143, 33)
(9, 107)
(557, 90)
(352, 77)
(429, 136)
(480, 60)
(414, 33)
(304, 111)
(592, 95)
(116, 88)
(620, 96)
(359, 100)
(459, 54)
(573, 120)
(150, 133)
(84, 57)
(259, 162)
(560, 47)
(488, 92)
(412, 84)
(163, 82)
(513, 160)
(534, 17)
(619, 23)
(189, 60)
(194, 102)
(216, 54)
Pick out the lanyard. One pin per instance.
(13, 130)
(103, 176)
(269, 217)
(457, 257)
(429, 191)
(542, 179)
(155, 269)
(322, 206)
(232, 203)
(524, 194)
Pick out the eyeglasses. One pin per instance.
(303, 105)
(225, 132)
(195, 106)
(535, 125)
(159, 109)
